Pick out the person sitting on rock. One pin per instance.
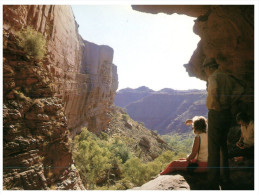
(245, 145)
(199, 154)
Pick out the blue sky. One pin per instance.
(149, 49)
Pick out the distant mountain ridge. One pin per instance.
(164, 110)
(128, 95)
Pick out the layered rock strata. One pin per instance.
(83, 74)
(36, 151)
(227, 34)
(88, 104)
(73, 86)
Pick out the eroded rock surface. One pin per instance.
(189, 10)
(88, 103)
(82, 73)
(73, 86)
(166, 182)
(36, 153)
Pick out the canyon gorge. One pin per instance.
(46, 102)
(165, 110)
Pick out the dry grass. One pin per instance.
(38, 102)
(20, 95)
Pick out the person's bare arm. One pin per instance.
(195, 149)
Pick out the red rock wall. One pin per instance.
(227, 34)
(71, 87)
(189, 10)
(96, 83)
(81, 71)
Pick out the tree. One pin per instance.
(93, 161)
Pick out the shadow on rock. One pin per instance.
(241, 176)
(196, 181)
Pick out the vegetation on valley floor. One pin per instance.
(107, 163)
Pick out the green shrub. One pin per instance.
(106, 163)
(142, 124)
(92, 160)
(135, 171)
(181, 144)
(138, 172)
(120, 150)
(103, 136)
(33, 42)
(125, 117)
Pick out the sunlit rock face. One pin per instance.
(97, 82)
(227, 34)
(73, 86)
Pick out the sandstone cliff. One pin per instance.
(73, 86)
(227, 34)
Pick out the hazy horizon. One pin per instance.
(159, 89)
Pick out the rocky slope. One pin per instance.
(46, 100)
(165, 110)
(227, 34)
(143, 142)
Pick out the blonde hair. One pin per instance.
(199, 124)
